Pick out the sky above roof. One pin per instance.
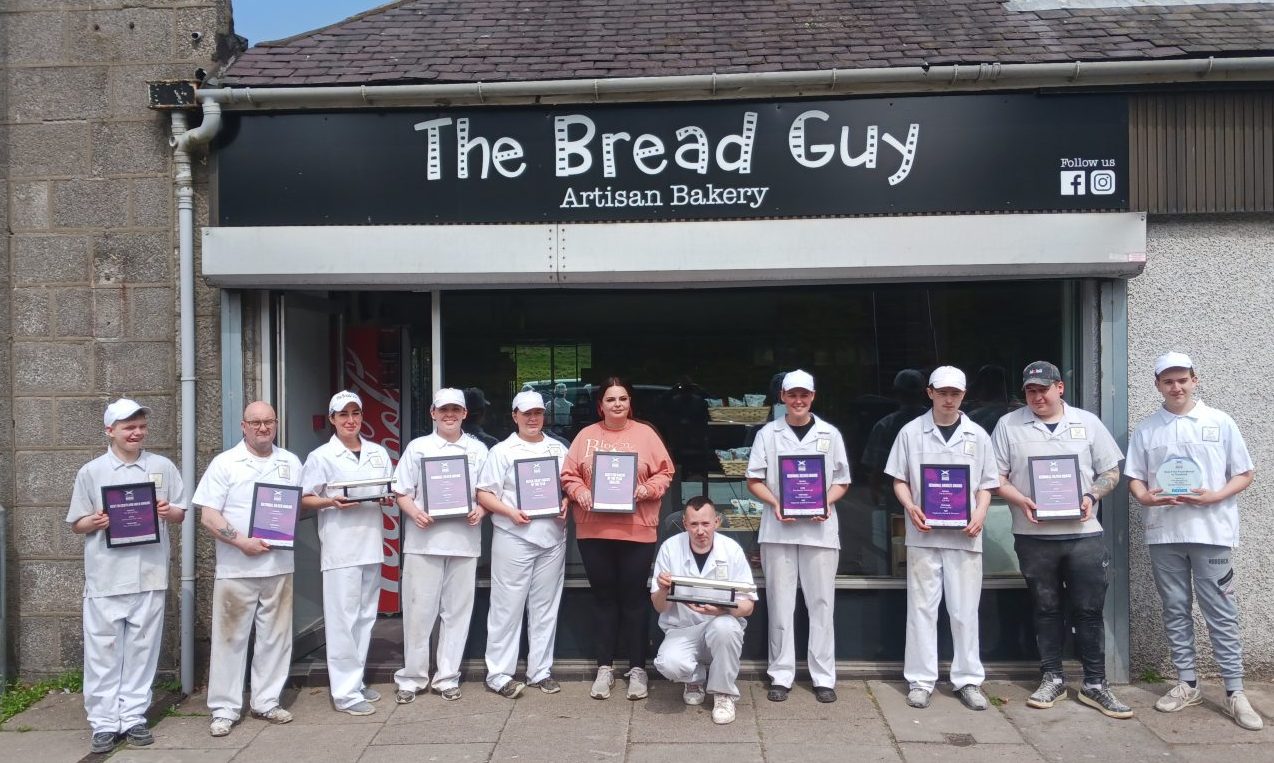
(261, 20)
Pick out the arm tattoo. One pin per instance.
(228, 532)
(1105, 482)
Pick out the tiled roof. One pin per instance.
(439, 41)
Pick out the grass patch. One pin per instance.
(169, 685)
(1151, 676)
(19, 696)
(997, 701)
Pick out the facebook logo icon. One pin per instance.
(1073, 183)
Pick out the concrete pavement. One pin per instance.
(871, 722)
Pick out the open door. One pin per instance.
(305, 385)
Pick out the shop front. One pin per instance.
(698, 250)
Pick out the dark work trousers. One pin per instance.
(618, 572)
(1076, 570)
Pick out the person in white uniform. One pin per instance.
(802, 552)
(124, 586)
(253, 585)
(528, 556)
(1192, 533)
(440, 556)
(702, 642)
(943, 561)
(352, 548)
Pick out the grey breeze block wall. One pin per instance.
(90, 277)
(1208, 290)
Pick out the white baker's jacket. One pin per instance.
(777, 439)
(726, 561)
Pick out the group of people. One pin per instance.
(1190, 536)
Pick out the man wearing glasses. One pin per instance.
(253, 583)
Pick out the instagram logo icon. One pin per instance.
(1101, 182)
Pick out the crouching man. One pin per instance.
(702, 641)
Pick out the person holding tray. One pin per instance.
(442, 539)
(520, 486)
(1187, 463)
(350, 527)
(244, 499)
(943, 467)
(798, 466)
(121, 503)
(702, 641)
(616, 473)
(1056, 462)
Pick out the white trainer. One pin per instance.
(693, 694)
(1179, 697)
(722, 709)
(601, 685)
(638, 683)
(1241, 711)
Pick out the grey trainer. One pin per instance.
(358, 708)
(972, 697)
(638, 683)
(1050, 691)
(601, 685)
(918, 697)
(1101, 698)
(1179, 697)
(102, 742)
(1238, 708)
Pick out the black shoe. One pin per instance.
(824, 694)
(103, 742)
(140, 736)
(777, 693)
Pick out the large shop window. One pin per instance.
(705, 363)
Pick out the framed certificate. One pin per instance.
(539, 491)
(1179, 475)
(945, 494)
(802, 485)
(722, 593)
(133, 514)
(274, 512)
(444, 483)
(1055, 487)
(615, 482)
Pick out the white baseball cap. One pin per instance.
(528, 401)
(1172, 360)
(449, 396)
(947, 376)
(342, 399)
(122, 409)
(798, 379)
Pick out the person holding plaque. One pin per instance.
(253, 585)
(702, 642)
(943, 467)
(440, 548)
(350, 534)
(804, 550)
(520, 486)
(618, 546)
(1056, 460)
(124, 582)
(1187, 463)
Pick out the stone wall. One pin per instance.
(89, 248)
(1208, 290)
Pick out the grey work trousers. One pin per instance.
(1182, 571)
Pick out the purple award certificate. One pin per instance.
(274, 512)
(803, 486)
(945, 495)
(444, 483)
(133, 511)
(615, 482)
(538, 489)
(1055, 487)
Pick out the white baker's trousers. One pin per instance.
(525, 578)
(931, 572)
(237, 605)
(712, 646)
(350, 599)
(814, 567)
(121, 649)
(435, 587)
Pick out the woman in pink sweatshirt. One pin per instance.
(618, 549)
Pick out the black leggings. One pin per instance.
(618, 572)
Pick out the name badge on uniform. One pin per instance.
(555, 450)
(1078, 433)
(824, 445)
(376, 460)
(285, 472)
(157, 479)
(720, 571)
(470, 459)
(1212, 434)
(970, 448)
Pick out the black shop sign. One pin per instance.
(652, 162)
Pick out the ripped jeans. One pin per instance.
(1073, 571)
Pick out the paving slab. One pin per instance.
(853, 701)
(933, 752)
(314, 705)
(190, 732)
(54, 712)
(1070, 731)
(454, 729)
(705, 752)
(418, 753)
(1206, 723)
(44, 746)
(665, 717)
(1230, 753)
(299, 742)
(475, 701)
(149, 755)
(818, 752)
(945, 718)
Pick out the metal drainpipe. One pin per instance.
(4, 585)
(182, 142)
